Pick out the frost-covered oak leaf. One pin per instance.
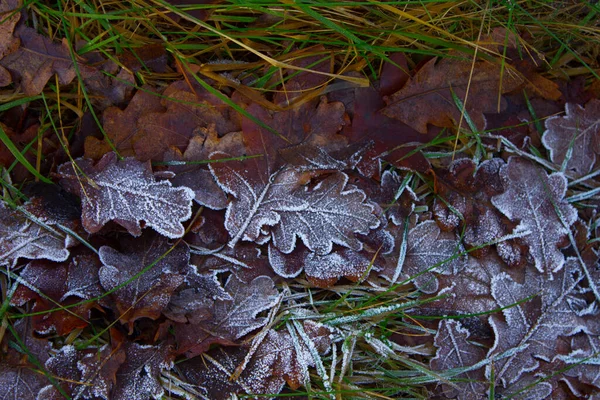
(528, 332)
(426, 253)
(276, 360)
(139, 376)
(232, 318)
(321, 215)
(127, 193)
(536, 200)
(89, 373)
(455, 351)
(148, 294)
(576, 135)
(21, 237)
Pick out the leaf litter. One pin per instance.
(270, 217)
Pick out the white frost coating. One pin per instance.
(533, 198)
(529, 331)
(22, 238)
(455, 351)
(579, 131)
(127, 192)
(322, 216)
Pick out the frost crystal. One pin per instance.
(126, 192)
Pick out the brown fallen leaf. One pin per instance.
(427, 97)
(37, 60)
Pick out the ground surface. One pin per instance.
(322, 200)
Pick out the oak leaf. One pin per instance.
(274, 362)
(126, 192)
(321, 215)
(139, 375)
(148, 294)
(22, 237)
(232, 318)
(575, 135)
(528, 333)
(50, 284)
(536, 200)
(37, 60)
(426, 98)
(89, 373)
(454, 350)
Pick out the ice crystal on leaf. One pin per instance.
(126, 192)
(321, 215)
(21, 237)
(536, 200)
(575, 135)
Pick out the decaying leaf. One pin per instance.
(536, 200)
(138, 376)
(321, 215)
(276, 360)
(197, 176)
(21, 237)
(455, 351)
(427, 253)
(37, 60)
(232, 318)
(426, 98)
(527, 334)
(127, 193)
(89, 373)
(50, 284)
(575, 135)
(465, 191)
(148, 294)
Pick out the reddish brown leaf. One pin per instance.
(465, 191)
(126, 192)
(275, 361)
(426, 98)
(197, 176)
(51, 285)
(532, 197)
(232, 318)
(121, 125)
(138, 377)
(149, 56)
(147, 295)
(315, 122)
(575, 135)
(37, 60)
(89, 373)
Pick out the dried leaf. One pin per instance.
(147, 295)
(275, 361)
(50, 285)
(426, 98)
(198, 177)
(456, 351)
(465, 205)
(528, 332)
(321, 215)
(536, 200)
(575, 135)
(126, 192)
(138, 376)
(232, 318)
(20, 237)
(121, 125)
(89, 373)
(37, 60)
(427, 251)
